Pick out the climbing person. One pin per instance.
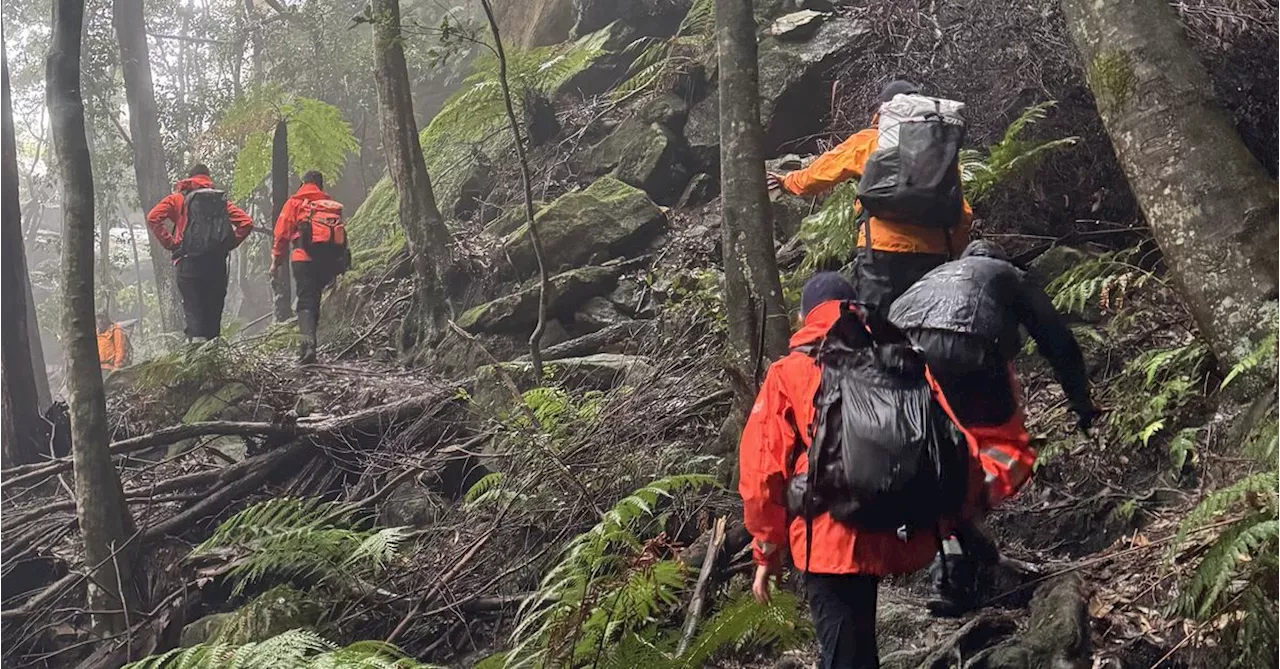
(965, 317)
(312, 223)
(844, 541)
(112, 346)
(206, 227)
(903, 232)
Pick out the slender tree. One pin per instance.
(544, 283)
(104, 519)
(149, 165)
(1209, 202)
(20, 376)
(280, 289)
(424, 229)
(752, 289)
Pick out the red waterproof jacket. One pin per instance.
(779, 424)
(286, 231)
(171, 209)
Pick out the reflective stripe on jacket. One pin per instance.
(846, 161)
(779, 425)
(286, 230)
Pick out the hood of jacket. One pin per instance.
(310, 192)
(816, 324)
(193, 183)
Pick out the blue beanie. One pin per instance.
(823, 287)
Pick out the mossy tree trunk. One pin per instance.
(1208, 201)
(428, 239)
(149, 165)
(20, 375)
(104, 520)
(752, 288)
(281, 291)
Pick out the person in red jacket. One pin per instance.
(202, 273)
(312, 272)
(845, 565)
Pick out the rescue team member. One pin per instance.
(845, 565)
(201, 270)
(965, 316)
(314, 263)
(111, 344)
(901, 252)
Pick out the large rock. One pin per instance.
(795, 92)
(702, 189)
(224, 403)
(596, 314)
(796, 26)
(518, 312)
(601, 371)
(643, 154)
(608, 219)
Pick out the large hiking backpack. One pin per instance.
(913, 175)
(323, 234)
(884, 455)
(208, 227)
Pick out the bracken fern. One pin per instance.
(295, 649)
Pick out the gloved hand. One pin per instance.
(1085, 413)
(773, 181)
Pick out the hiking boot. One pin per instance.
(307, 324)
(955, 578)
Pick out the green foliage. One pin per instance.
(304, 538)
(487, 489)
(277, 610)
(319, 137)
(1152, 389)
(661, 60)
(1264, 352)
(607, 583)
(295, 649)
(1234, 584)
(1106, 279)
(559, 412)
(1182, 448)
(830, 233)
(1009, 157)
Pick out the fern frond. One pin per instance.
(295, 649)
(1259, 488)
(272, 612)
(1252, 536)
(779, 625)
(1010, 156)
(480, 489)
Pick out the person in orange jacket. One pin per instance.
(845, 565)
(901, 253)
(202, 274)
(111, 344)
(311, 274)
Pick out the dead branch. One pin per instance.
(596, 341)
(700, 590)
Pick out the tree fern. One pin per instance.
(289, 537)
(661, 59)
(1009, 157)
(295, 649)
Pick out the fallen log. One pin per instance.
(700, 590)
(596, 341)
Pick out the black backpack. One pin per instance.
(884, 455)
(913, 175)
(209, 227)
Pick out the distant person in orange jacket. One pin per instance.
(844, 567)
(206, 227)
(901, 252)
(311, 222)
(112, 347)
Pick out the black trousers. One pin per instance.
(310, 278)
(880, 277)
(843, 608)
(202, 282)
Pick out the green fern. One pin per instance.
(604, 585)
(830, 233)
(1009, 157)
(305, 538)
(279, 609)
(488, 488)
(295, 649)
(1264, 352)
(660, 60)
(1105, 279)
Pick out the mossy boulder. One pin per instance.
(643, 154)
(518, 312)
(608, 219)
(225, 404)
(601, 371)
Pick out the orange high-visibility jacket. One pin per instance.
(779, 424)
(172, 209)
(111, 347)
(286, 231)
(846, 161)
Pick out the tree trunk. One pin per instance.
(19, 376)
(1208, 201)
(148, 150)
(280, 288)
(544, 283)
(424, 230)
(752, 287)
(103, 517)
